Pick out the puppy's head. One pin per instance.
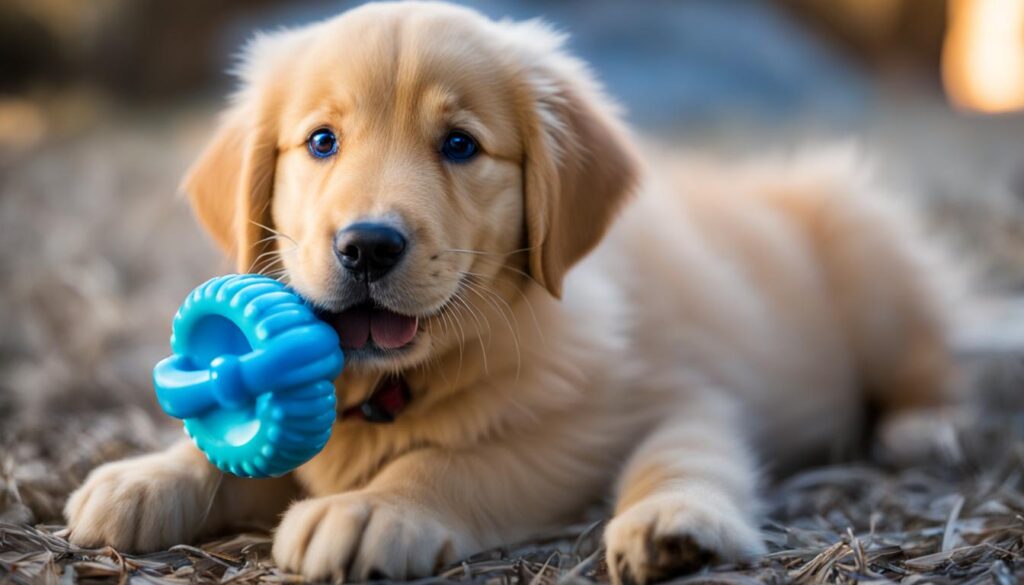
(403, 160)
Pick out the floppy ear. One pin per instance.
(230, 186)
(580, 166)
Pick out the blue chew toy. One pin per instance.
(252, 375)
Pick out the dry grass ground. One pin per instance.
(96, 252)
(936, 523)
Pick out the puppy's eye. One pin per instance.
(322, 143)
(459, 146)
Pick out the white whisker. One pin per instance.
(479, 288)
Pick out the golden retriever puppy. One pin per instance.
(524, 336)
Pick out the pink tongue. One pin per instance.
(389, 330)
(353, 327)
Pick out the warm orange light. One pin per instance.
(983, 56)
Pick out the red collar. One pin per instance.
(388, 400)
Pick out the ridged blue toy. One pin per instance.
(252, 375)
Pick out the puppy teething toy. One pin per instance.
(252, 375)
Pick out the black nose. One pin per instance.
(370, 249)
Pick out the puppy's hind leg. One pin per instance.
(889, 292)
(686, 497)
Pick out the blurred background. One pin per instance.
(104, 103)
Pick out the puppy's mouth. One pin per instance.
(369, 326)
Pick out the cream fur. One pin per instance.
(729, 318)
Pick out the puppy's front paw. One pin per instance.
(672, 534)
(361, 535)
(140, 505)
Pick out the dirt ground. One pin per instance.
(96, 251)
